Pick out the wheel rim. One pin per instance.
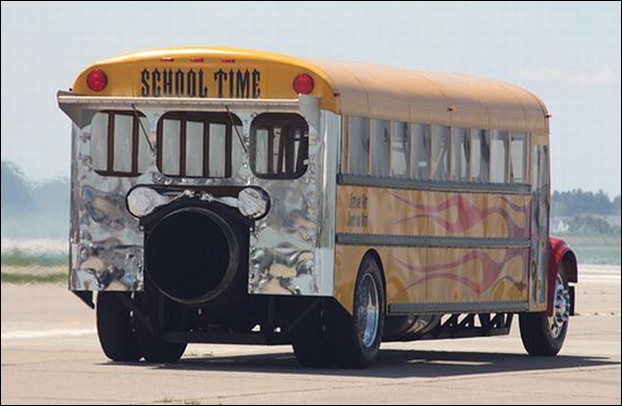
(368, 315)
(561, 309)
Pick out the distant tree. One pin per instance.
(16, 195)
(616, 205)
(589, 224)
(577, 201)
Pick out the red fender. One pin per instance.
(560, 253)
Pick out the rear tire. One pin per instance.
(310, 344)
(355, 339)
(543, 335)
(151, 343)
(114, 327)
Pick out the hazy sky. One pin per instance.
(567, 53)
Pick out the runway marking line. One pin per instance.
(67, 332)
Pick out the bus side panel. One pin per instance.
(398, 212)
(428, 277)
(477, 275)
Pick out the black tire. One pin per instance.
(310, 343)
(151, 343)
(543, 335)
(114, 327)
(355, 339)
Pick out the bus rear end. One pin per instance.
(202, 182)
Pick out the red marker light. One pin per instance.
(303, 84)
(96, 80)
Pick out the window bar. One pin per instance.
(206, 149)
(135, 140)
(182, 148)
(160, 144)
(302, 148)
(270, 152)
(282, 150)
(110, 158)
(228, 150)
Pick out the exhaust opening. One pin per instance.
(191, 255)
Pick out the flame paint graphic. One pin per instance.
(468, 214)
(490, 270)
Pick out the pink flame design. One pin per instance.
(491, 270)
(468, 214)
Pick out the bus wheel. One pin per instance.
(151, 343)
(114, 327)
(543, 335)
(355, 339)
(310, 343)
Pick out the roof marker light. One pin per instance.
(196, 59)
(303, 84)
(96, 80)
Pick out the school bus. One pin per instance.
(225, 195)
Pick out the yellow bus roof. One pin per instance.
(345, 88)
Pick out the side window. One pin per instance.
(400, 149)
(498, 156)
(380, 153)
(279, 146)
(119, 145)
(518, 157)
(460, 154)
(359, 145)
(200, 145)
(440, 149)
(421, 152)
(480, 155)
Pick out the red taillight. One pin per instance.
(303, 84)
(96, 80)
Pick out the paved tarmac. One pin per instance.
(50, 355)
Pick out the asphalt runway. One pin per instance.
(51, 355)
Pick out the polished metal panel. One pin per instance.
(291, 248)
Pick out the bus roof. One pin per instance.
(345, 88)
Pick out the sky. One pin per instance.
(568, 53)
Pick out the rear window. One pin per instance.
(199, 145)
(279, 146)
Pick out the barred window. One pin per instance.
(204, 145)
(119, 145)
(279, 146)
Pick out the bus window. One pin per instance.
(199, 145)
(440, 149)
(518, 157)
(380, 148)
(480, 155)
(400, 149)
(359, 145)
(279, 146)
(498, 156)
(460, 154)
(421, 152)
(117, 146)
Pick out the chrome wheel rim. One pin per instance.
(368, 314)
(561, 307)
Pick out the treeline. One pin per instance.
(577, 201)
(22, 197)
(33, 209)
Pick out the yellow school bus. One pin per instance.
(225, 195)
